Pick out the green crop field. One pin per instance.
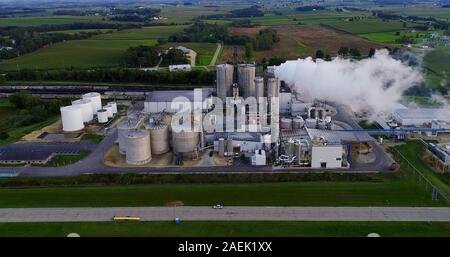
(227, 229)
(75, 31)
(421, 11)
(46, 20)
(105, 50)
(437, 66)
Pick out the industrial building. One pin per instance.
(421, 117)
(440, 156)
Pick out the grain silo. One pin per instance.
(184, 139)
(109, 110)
(224, 80)
(102, 116)
(96, 100)
(246, 79)
(138, 147)
(114, 106)
(273, 87)
(259, 87)
(86, 109)
(311, 123)
(159, 138)
(122, 131)
(72, 118)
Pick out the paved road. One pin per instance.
(228, 213)
(216, 54)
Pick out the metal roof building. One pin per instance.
(340, 137)
(158, 101)
(420, 116)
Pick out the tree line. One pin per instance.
(150, 56)
(119, 75)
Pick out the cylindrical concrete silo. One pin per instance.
(138, 147)
(246, 79)
(102, 116)
(114, 107)
(224, 80)
(221, 143)
(96, 100)
(311, 123)
(72, 118)
(159, 138)
(109, 110)
(122, 131)
(259, 87)
(184, 140)
(273, 87)
(86, 107)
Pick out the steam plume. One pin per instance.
(375, 84)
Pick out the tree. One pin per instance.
(174, 56)
(355, 52)
(327, 57)
(141, 56)
(371, 52)
(248, 50)
(320, 54)
(4, 135)
(343, 51)
(2, 79)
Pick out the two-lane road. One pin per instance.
(228, 214)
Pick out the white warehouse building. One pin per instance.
(327, 156)
(420, 116)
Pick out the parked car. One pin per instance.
(217, 206)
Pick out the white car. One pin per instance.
(217, 206)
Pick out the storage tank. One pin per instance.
(311, 123)
(96, 100)
(286, 123)
(109, 110)
(102, 116)
(273, 87)
(246, 79)
(224, 80)
(122, 130)
(298, 123)
(184, 141)
(159, 138)
(72, 118)
(229, 147)
(86, 109)
(259, 87)
(222, 146)
(114, 107)
(138, 147)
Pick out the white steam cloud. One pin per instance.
(375, 84)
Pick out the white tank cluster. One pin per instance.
(89, 105)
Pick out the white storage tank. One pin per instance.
(286, 123)
(86, 109)
(96, 100)
(298, 123)
(109, 110)
(138, 147)
(114, 107)
(102, 116)
(72, 118)
(311, 123)
(159, 138)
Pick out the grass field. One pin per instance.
(389, 190)
(96, 139)
(227, 229)
(412, 150)
(62, 160)
(437, 65)
(205, 51)
(46, 20)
